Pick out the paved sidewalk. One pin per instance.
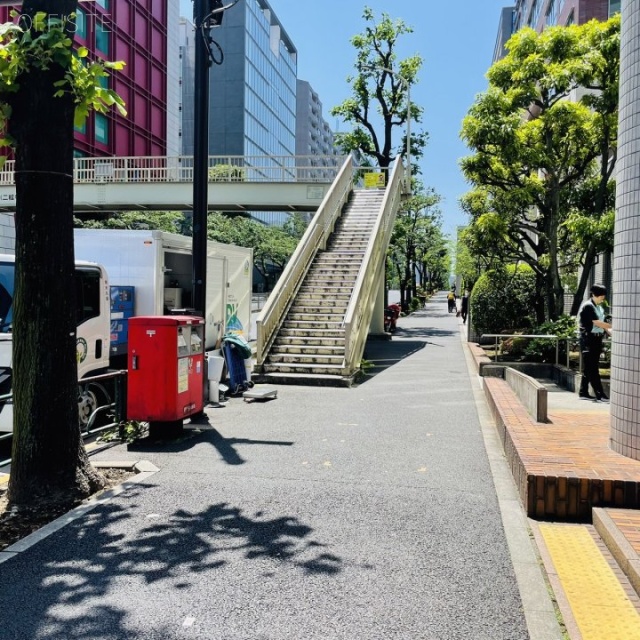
(363, 513)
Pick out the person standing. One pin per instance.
(592, 328)
(464, 305)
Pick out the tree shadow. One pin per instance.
(67, 579)
(383, 354)
(196, 434)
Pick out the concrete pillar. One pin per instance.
(625, 362)
(377, 321)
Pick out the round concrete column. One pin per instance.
(625, 361)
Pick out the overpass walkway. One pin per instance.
(236, 183)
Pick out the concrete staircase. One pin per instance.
(310, 345)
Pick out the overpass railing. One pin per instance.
(363, 299)
(314, 238)
(312, 168)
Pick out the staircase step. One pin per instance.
(591, 589)
(315, 359)
(320, 297)
(311, 332)
(307, 349)
(620, 530)
(304, 378)
(307, 324)
(321, 317)
(281, 367)
(331, 307)
(309, 341)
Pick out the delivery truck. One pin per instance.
(158, 265)
(152, 270)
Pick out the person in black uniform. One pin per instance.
(592, 327)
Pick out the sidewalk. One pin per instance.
(368, 512)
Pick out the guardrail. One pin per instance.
(115, 405)
(363, 299)
(314, 238)
(134, 169)
(525, 335)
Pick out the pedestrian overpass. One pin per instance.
(236, 183)
(325, 185)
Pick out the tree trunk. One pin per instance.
(48, 457)
(578, 296)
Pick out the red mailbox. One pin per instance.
(166, 368)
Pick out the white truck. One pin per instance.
(158, 265)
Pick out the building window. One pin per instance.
(571, 19)
(101, 128)
(102, 39)
(614, 7)
(82, 128)
(534, 14)
(552, 13)
(81, 24)
(103, 3)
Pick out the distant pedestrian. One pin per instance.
(464, 305)
(451, 301)
(592, 328)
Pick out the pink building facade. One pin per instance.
(138, 33)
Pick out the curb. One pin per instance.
(144, 469)
(537, 605)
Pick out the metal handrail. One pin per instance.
(526, 335)
(314, 238)
(362, 303)
(137, 169)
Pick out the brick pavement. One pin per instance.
(564, 467)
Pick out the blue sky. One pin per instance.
(456, 41)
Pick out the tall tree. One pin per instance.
(44, 85)
(379, 102)
(544, 130)
(416, 233)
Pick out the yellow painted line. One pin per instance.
(598, 602)
(4, 478)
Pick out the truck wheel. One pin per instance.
(93, 396)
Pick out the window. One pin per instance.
(87, 294)
(571, 19)
(81, 24)
(102, 38)
(614, 7)
(103, 3)
(101, 128)
(552, 13)
(82, 128)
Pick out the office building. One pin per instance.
(505, 31)
(539, 14)
(142, 33)
(252, 93)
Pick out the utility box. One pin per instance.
(165, 368)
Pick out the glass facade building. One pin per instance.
(252, 94)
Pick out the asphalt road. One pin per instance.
(359, 514)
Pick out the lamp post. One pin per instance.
(200, 157)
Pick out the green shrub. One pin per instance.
(503, 300)
(416, 304)
(544, 350)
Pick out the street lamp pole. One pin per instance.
(200, 157)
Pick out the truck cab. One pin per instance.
(93, 325)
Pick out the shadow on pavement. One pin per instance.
(173, 548)
(383, 354)
(192, 437)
